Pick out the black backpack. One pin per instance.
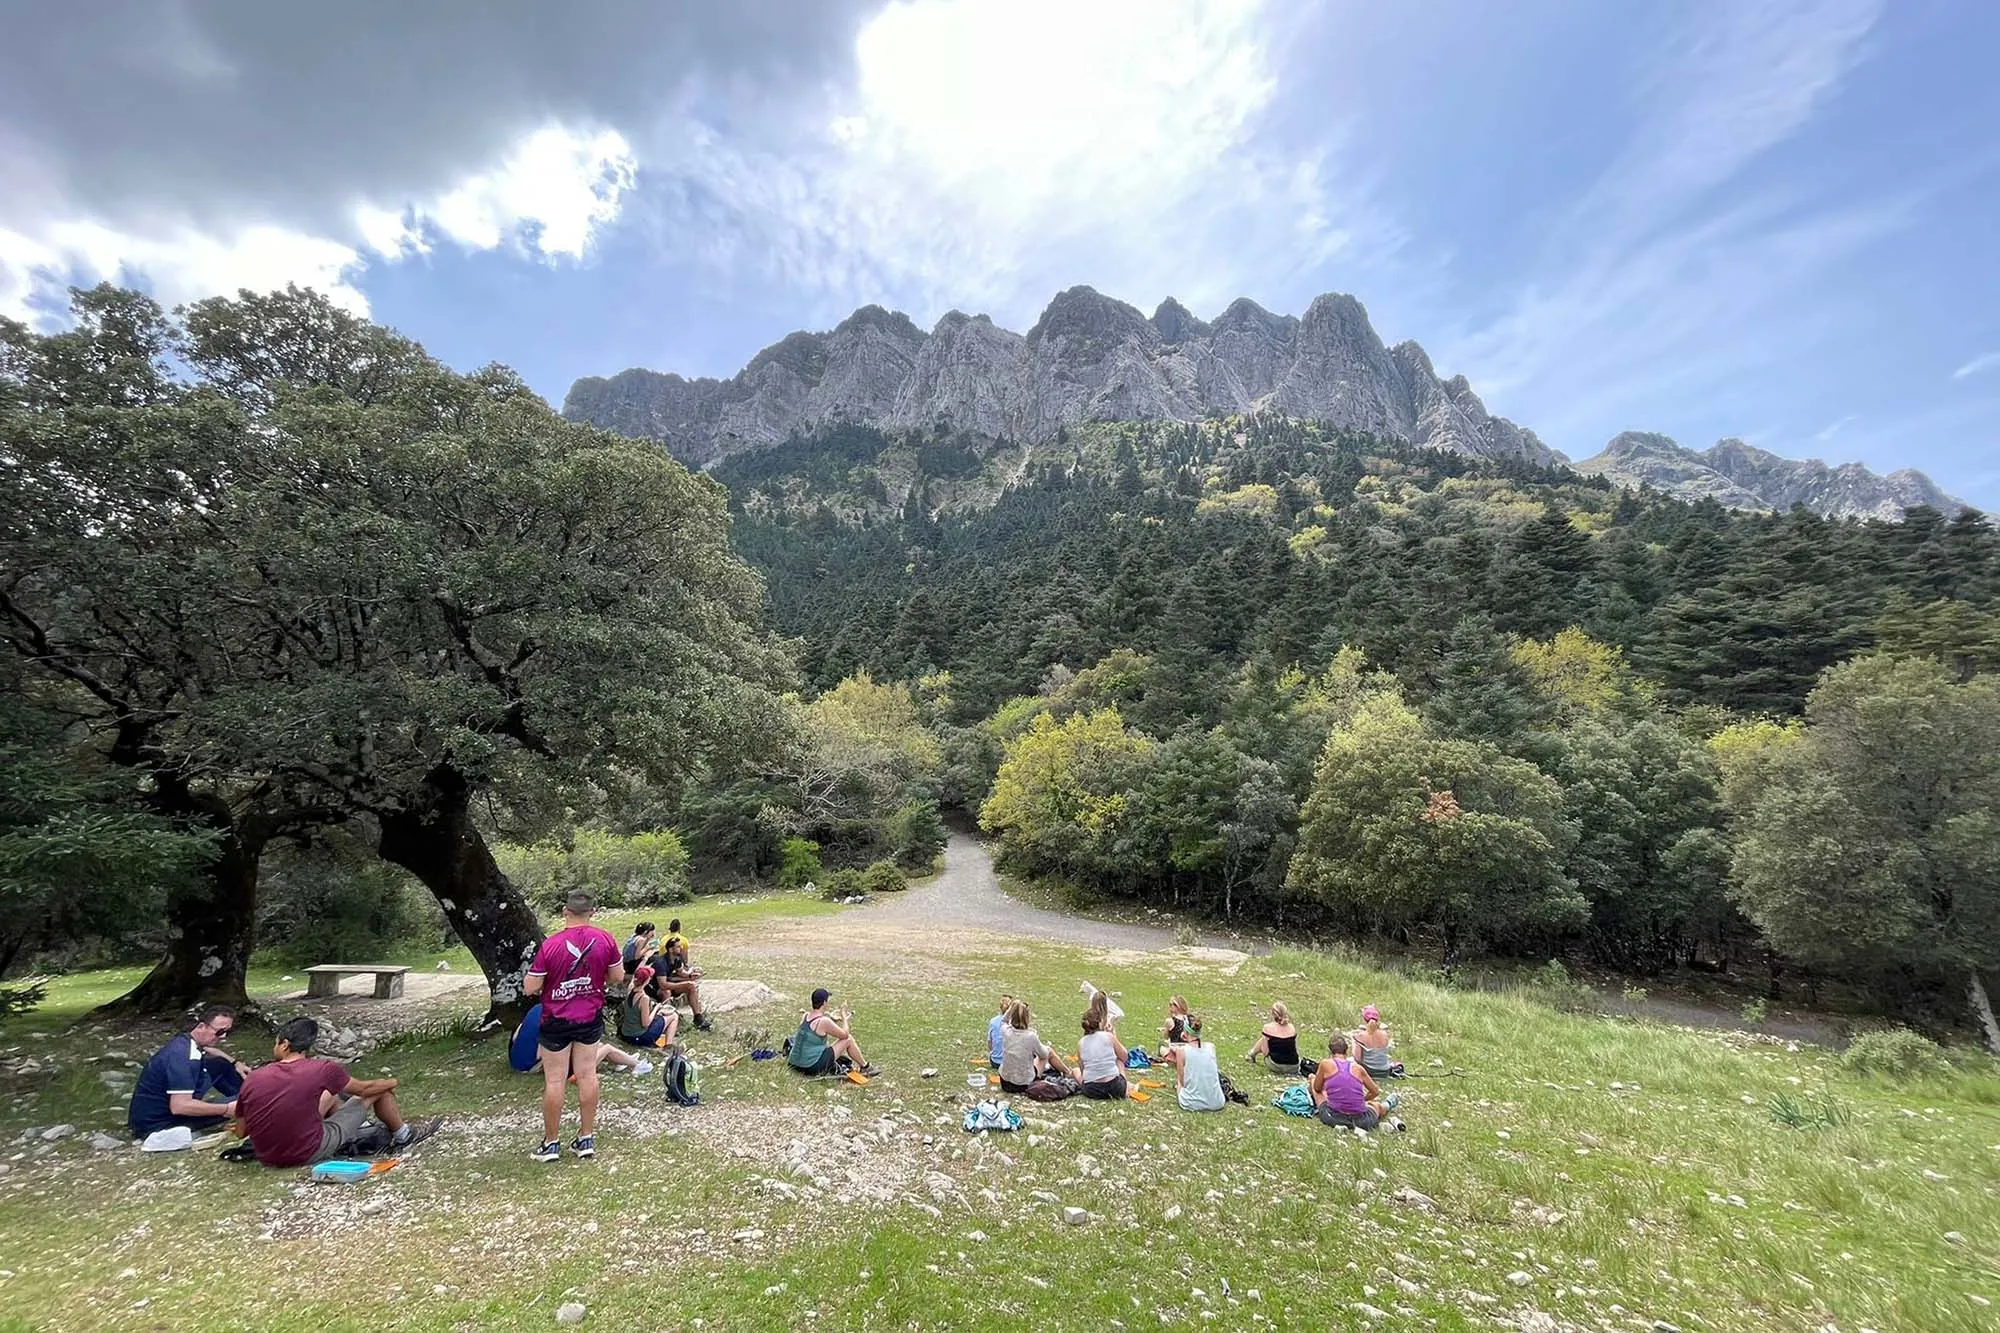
(682, 1081)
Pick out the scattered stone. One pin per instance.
(1369, 1312)
(1414, 1198)
(1955, 1237)
(374, 1208)
(56, 1133)
(747, 1234)
(105, 1143)
(1520, 1278)
(1931, 1175)
(1076, 1217)
(1662, 1326)
(570, 1312)
(127, 1274)
(443, 965)
(1173, 1213)
(927, 1073)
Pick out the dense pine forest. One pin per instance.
(1279, 673)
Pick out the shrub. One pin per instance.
(842, 883)
(1754, 1010)
(326, 909)
(798, 863)
(1635, 994)
(883, 877)
(1898, 1052)
(916, 834)
(1553, 985)
(638, 870)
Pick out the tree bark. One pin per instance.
(434, 838)
(212, 923)
(1982, 1008)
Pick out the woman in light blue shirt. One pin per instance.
(1198, 1079)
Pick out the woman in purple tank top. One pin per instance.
(1344, 1096)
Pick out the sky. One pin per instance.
(1775, 221)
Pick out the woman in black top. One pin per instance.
(1279, 1041)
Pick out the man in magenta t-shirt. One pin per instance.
(300, 1109)
(570, 973)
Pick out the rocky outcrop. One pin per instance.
(1088, 358)
(1740, 476)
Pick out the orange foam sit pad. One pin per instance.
(856, 1076)
(1137, 1096)
(1149, 1083)
(992, 1080)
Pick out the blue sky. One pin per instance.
(1770, 220)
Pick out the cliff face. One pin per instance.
(1740, 476)
(1091, 358)
(1088, 358)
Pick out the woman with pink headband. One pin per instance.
(1372, 1042)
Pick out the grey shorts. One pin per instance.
(1367, 1118)
(343, 1129)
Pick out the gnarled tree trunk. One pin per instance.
(433, 837)
(212, 923)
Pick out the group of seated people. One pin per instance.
(296, 1110)
(1344, 1093)
(660, 974)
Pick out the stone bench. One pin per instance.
(323, 982)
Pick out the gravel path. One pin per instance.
(968, 896)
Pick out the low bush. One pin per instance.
(842, 883)
(883, 877)
(799, 863)
(1897, 1052)
(639, 870)
(1552, 984)
(916, 834)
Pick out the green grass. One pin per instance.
(1836, 1225)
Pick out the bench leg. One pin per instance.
(389, 986)
(320, 985)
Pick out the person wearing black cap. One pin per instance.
(823, 1041)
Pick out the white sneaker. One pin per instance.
(1394, 1124)
(643, 1068)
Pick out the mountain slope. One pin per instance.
(1739, 476)
(1088, 358)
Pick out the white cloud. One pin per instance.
(1833, 428)
(1651, 279)
(176, 262)
(988, 154)
(1979, 365)
(547, 197)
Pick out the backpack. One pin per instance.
(682, 1080)
(991, 1116)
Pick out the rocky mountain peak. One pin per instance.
(1739, 475)
(1091, 357)
(1095, 320)
(1176, 323)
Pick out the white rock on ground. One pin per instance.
(55, 1133)
(105, 1143)
(570, 1312)
(1076, 1217)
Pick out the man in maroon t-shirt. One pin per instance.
(299, 1110)
(570, 973)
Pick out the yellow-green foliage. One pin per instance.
(1576, 671)
(874, 724)
(1742, 751)
(1308, 539)
(1257, 500)
(1058, 774)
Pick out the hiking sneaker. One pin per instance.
(584, 1146)
(410, 1135)
(1394, 1124)
(643, 1068)
(869, 1071)
(548, 1152)
(702, 1023)
(1393, 1100)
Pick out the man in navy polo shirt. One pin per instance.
(175, 1085)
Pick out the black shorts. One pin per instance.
(1111, 1089)
(558, 1034)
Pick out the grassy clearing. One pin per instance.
(1530, 1190)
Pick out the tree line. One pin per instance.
(272, 578)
